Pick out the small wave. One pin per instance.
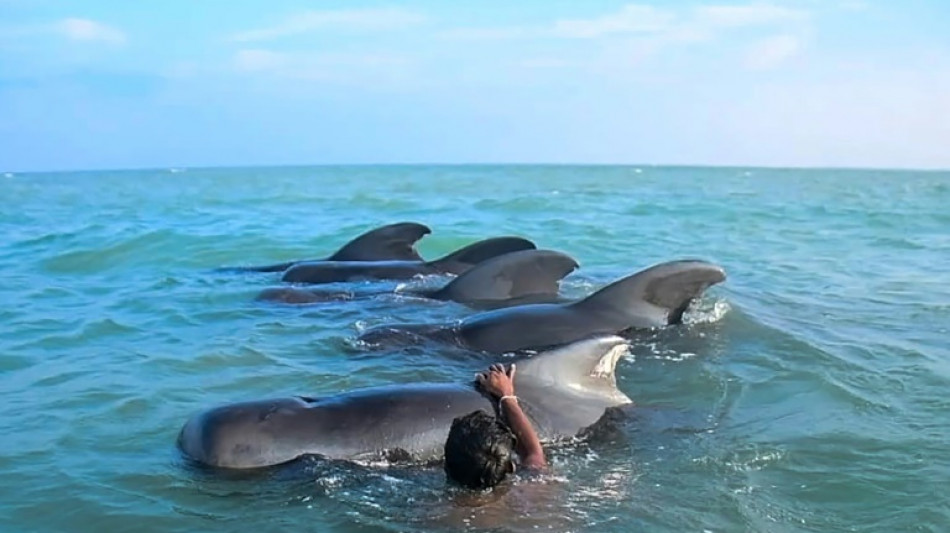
(58, 238)
(657, 350)
(140, 247)
(744, 460)
(11, 363)
(242, 357)
(86, 332)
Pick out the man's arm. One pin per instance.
(499, 382)
(529, 447)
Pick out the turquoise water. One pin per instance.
(809, 392)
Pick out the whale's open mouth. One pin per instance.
(607, 365)
(605, 372)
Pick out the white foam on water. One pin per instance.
(706, 312)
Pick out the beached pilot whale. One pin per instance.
(651, 298)
(516, 278)
(457, 262)
(563, 392)
(392, 242)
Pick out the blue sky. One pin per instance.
(102, 84)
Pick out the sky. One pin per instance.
(99, 84)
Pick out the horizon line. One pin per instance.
(180, 168)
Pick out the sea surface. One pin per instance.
(808, 392)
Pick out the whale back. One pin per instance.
(465, 258)
(408, 421)
(655, 297)
(510, 276)
(563, 391)
(317, 272)
(393, 242)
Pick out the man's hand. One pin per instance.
(497, 381)
(500, 383)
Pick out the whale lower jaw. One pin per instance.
(605, 369)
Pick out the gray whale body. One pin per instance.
(457, 262)
(655, 297)
(515, 278)
(562, 391)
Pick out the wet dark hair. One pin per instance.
(478, 452)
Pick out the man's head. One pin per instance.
(478, 452)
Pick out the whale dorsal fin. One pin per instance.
(508, 276)
(465, 258)
(583, 368)
(393, 242)
(654, 297)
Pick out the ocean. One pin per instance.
(807, 392)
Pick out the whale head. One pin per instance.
(568, 388)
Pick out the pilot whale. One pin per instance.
(392, 242)
(457, 262)
(655, 297)
(524, 276)
(563, 392)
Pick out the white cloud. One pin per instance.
(876, 117)
(257, 60)
(771, 52)
(854, 5)
(493, 34)
(347, 19)
(737, 16)
(632, 18)
(672, 25)
(544, 63)
(73, 29)
(321, 66)
(629, 36)
(78, 29)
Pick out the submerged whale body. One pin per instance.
(655, 297)
(457, 262)
(392, 242)
(525, 276)
(562, 391)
